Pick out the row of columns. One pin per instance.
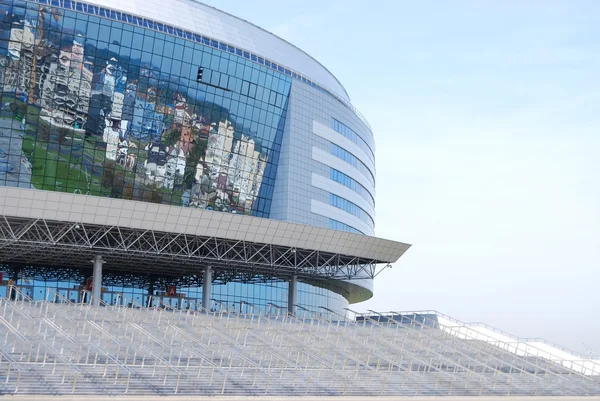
(206, 286)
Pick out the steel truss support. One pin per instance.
(39, 242)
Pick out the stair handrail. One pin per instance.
(422, 324)
(23, 297)
(398, 325)
(499, 331)
(528, 350)
(593, 357)
(432, 312)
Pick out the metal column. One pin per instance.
(14, 279)
(151, 282)
(97, 280)
(206, 287)
(292, 291)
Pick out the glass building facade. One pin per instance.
(101, 102)
(105, 108)
(225, 296)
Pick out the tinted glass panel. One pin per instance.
(351, 208)
(353, 136)
(354, 161)
(97, 107)
(354, 185)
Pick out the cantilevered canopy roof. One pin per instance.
(63, 229)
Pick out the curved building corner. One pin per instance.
(190, 125)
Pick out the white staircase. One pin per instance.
(61, 347)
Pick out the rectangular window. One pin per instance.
(346, 205)
(354, 185)
(353, 136)
(349, 158)
(338, 225)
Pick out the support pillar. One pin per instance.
(152, 281)
(97, 280)
(206, 287)
(14, 279)
(292, 292)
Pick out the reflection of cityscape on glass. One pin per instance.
(99, 107)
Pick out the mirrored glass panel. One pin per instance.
(100, 107)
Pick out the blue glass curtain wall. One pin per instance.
(233, 295)
(96, 106)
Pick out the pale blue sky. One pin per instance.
(487, 124)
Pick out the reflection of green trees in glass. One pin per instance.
(104, 123)
(62, 135)
(171, 137)
(108, 173)
(153, 194)
(56, 156)
(44, 131)
(19, 109)
(128, 191)
(193, 159)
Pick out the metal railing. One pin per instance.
(69, 347)
(500, 331)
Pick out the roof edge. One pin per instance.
(36, 203)
(280, 38)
